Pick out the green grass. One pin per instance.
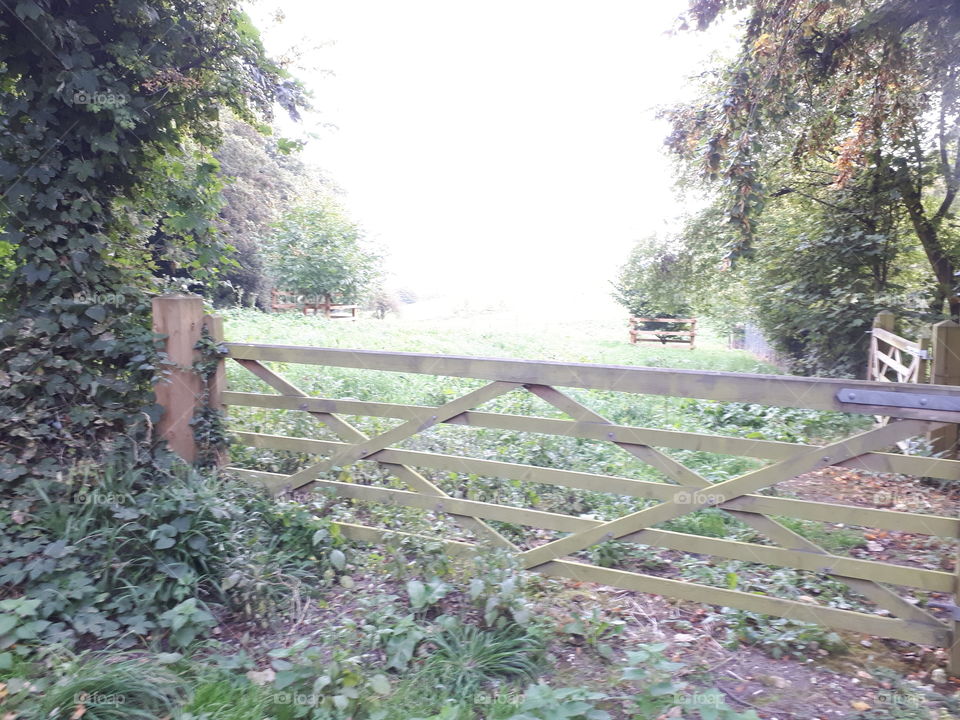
(111, 688)
(488, 336)
(222, 697)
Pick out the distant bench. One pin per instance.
(286, 300)
(641, 330)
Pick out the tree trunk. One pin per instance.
(940, 262)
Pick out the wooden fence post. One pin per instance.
(218, 383)
(945, 370)
(923, 371)
(885, 320)
(180, 318)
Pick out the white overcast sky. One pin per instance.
(501, 147)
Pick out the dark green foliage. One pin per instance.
(820, 275)
(103, 106)
(262, 177)
(132, 553)
(209, 424)
(815, 276)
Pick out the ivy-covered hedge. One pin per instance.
(102, 106)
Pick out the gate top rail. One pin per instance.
(901, 343)
(779, 390)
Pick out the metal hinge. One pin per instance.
(882, 398)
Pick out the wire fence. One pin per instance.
(749, 337)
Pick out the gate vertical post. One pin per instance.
(218, 382)
(926, 350)
(885, 320)
(945, 370)
(180, 318)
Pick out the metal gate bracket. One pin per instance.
(882, 398)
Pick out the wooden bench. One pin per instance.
(641, 332)
(286, 300)
(332, 310)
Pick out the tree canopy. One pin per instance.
(853, 105)
(653, 282)
(318, 251)
(263, 175)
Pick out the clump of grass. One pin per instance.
(466, 658)
(97, 688)
(220, 697)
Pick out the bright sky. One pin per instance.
(503, 147)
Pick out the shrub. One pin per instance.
(135, 552)
(781, 637)
(466, 658)
(335, 687)
(542, 702)
(318, 251)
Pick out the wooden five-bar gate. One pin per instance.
(914, 409)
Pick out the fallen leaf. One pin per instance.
(261, 677)
(859, 705)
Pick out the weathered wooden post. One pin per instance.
(218, 381)
(214, 325)
(926, 353)
(884, 320)
(945, 370)
(180, 318)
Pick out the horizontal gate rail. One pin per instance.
(881, 462)
(919, 523)
(914, 410)
(779, 390)
(910, 631)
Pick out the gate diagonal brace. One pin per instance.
(360, 450)
(775, 531)
(348, 433)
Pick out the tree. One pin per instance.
(816, 282)
(825, 95)
(262, 176)
(318, 251)
(653, 282)
(100, 103)
(240, 190)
